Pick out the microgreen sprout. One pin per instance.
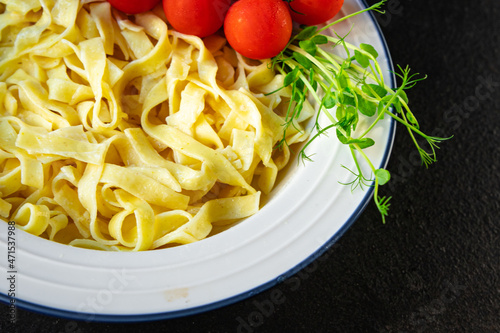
(347, 89)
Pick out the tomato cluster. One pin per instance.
(257, 29)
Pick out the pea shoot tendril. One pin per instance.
(347, 89)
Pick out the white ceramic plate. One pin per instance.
(307, 212)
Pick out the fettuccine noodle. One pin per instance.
(118, 133)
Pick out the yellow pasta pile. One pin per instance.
(118, 133)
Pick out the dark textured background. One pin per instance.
(434, 266)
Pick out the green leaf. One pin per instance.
(297, 96)
(370, 49)
(411, 118)
(374, 90)
(366, 107)
(314, 84)
(348, 98)
(362, 59)
(362, 143)
(299, 84)
(290, 77)
(367, 142)
(329, 101)
(401, 93)
(340, 113)
(306, 33)
(383, 176)
(302, 60)
(380, 107)
(342, 80)
(341, 137)
(309, 46)
(347, 117)
(312, 81)
(386, 99)
(397, 105)
(351, 112)
(320, 39)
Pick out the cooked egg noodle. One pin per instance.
(118, 133)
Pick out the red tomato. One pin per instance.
(313, 12)
(258, 29)
(196, 17)
(134, 6)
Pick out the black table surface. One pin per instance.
(435, 265)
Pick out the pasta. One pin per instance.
(119, 133)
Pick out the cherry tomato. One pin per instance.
(196, 17)
(313, 12)
(134, 6)
(258, 29)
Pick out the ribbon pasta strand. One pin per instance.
(118, 133)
